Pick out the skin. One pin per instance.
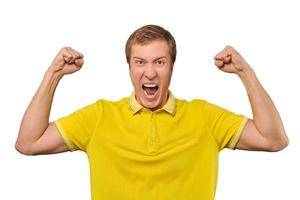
(265, 132)
(36, 135)
(149, 63)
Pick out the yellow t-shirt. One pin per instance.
(137, 154)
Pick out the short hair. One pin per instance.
(150, 33)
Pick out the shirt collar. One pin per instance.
(169, 107)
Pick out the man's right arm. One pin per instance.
(36, 134)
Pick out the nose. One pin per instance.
(150, 72)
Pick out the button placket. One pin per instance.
(152, 138)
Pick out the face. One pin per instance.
(150, 73)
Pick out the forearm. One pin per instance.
(36, 118)
(265, 115)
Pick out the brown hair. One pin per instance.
(147, 34)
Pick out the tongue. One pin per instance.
(150, 90)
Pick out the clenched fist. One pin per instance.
(67, 61)
(230, 61)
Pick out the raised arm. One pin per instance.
(36, 134)
(265, 132)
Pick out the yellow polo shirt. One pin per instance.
(137, 154)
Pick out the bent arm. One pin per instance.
(35, 121)
(36, 135)
(265, 131)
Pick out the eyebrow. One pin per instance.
(135, 57)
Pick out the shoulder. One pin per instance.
(191, 106)
(193, 103)
(109, 104)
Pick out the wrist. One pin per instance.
(56, 75)
(50, 82)
(248, 78)
(243, 74)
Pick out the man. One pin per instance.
(151, 145)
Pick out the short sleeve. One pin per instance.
(225, 126)
(78, 127)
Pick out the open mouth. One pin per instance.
(150, 89)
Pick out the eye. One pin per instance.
(160, 62)
(139, 62)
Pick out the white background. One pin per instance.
(266, 33)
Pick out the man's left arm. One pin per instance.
(265, 132)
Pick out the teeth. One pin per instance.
(150, 85)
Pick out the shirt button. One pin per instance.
(152, 130)
(152, 141)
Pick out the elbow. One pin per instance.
(279, 145)
(23, 149)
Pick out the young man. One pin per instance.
(151, 145)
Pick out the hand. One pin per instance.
(230, 61)
(67, 61)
